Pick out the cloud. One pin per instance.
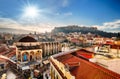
(40, 27)
(48, 26)
(68, 14)
(57, 14)
(65, 3)
(64, 14)
(110, 26)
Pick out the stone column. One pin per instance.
(40, 55)
(34, 55)
(28, 56)
(47, 49)
(50, 49)
(21, 57)
(57, 48)
(53, 48)
(45, 52)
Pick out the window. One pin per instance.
(25, 57)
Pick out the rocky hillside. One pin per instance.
(83, 30)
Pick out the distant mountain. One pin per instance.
(83, 30)
(10, 30)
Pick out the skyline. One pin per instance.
(103, 14)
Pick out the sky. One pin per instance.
(104, 14)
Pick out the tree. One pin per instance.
(118, 36)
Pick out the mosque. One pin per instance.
(30, 52)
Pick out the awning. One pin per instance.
(46, 62)
(25, 67)
(36, 71)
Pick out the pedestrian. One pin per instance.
(46, 75)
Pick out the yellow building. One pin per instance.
(58, 70)
(30, 52)
(28, 49)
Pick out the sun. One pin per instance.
(31, 12)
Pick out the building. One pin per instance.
(3, 49)
(3, 68)
(111, 47)
(8, 38)
(108, 55)
(50, 48)
(3, 64)
(28, 49)
(72, 65)
(31, 54)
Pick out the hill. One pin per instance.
(83, 30)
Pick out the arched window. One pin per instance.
(31, 56)
(25, 57)
(38, 55)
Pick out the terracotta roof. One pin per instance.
(27, 39)
(2, 60)
(74, 40)
(115, 46)
(83, 54)
(12, 53)
(109, 42)
(86, 69)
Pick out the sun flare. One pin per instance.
(31, 12)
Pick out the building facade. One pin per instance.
(58, 70)
(29, 50)
(50, 48)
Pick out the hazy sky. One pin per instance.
(104, 14)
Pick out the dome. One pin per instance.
(27, 39)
